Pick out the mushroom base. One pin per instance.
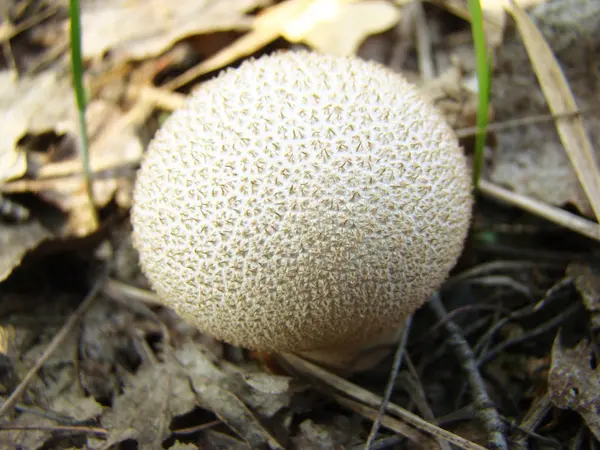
(357, 359)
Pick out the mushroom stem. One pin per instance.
(359, 358)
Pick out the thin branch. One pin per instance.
(485, 408)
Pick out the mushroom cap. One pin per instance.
(301, 202)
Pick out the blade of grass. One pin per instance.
(484, 82)
(77, 72)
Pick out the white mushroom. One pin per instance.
(302, 203)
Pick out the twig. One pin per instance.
(552, 213)
(53, 345)
(406, 431)
(538, 410)
(374, 401)
(544, 327)
(484, 406)
(390, 384)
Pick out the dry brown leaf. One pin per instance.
(25, 107)
(314, 436)
(339, 26)
(268, 26)
(75, 405)
(450, 93)
(219, 389)
(233, 412)
(531, 159)
(181, 446)
(574, 382)
(494, 13)
(142, 29)
(266, 393)
(153, 396)
(114, 144)
(560, 100)
(16, 240)
(27, 439)
(587, 282)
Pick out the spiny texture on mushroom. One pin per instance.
(301, 202)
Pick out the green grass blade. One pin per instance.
(484, 81)
(77, 72)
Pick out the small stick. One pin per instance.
(484, 406)
(374, 401)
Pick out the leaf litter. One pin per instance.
(129, 371)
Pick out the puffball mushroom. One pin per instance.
(301, 203)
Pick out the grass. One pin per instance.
(77, 73)
(484, 81)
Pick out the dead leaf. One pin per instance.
(218, 389)
(181, 446)
(587, 282)
(314, 436)
(232, 411)
(16, 240)
(76, 405)
(449, 92)
(266, 393)
(560, 99)
(142, 29)
(31, 104)
(531, 159)
(152, 397)
(28, 439)
(339, 26)
(114, 144)
(574, 382)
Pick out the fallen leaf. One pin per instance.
(220, 391)
(233, 412)
(152, 397)
(587, 283)
(574, 382)
(142, 29)
(16, 240)
(114, 144)
(27, 439)
(76, 405)
(181, 446)
(314, 436)
(531, 159)
(266, 393)
(31, 104)
(339, 26)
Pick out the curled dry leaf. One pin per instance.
(338, 27)
(25, 108)
(16, 241)
(137, 30)
(574, 382)
(114, 145)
